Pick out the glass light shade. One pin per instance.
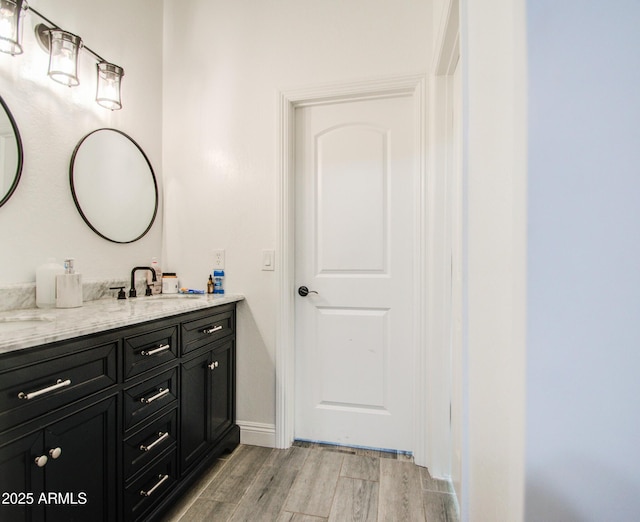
(63, 57)
(10, 27)
(108, 90)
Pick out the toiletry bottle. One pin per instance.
(46, 283)
(156, 287)
(69, 286)
(210, 285)
(218, 282)
(169, 283)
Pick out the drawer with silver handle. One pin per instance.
(150, 396)
(211, 327)
(142, 447)
(59, 376)
(151, 486)
(150, 349)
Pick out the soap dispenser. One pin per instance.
(69, 286)
(46, 283)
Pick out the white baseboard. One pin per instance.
(257, 434)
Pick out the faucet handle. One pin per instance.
(148, 292)
(121, 294)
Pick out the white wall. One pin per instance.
(583, 389)
(40, 219)
(224, 64)
(494, 115)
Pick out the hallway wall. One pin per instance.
(583, 413)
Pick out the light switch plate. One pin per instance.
(268, 260)
(218, 259)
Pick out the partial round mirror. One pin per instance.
(113, 186)
(10, 154)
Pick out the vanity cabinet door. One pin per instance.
(21, 480)
(207, 407)
(83, 475)
(65, 472)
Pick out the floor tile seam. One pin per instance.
(359, 478)
(198, 495)
(428, 490)
(255, 477)
(335, 489)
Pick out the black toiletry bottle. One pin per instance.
(210, 285)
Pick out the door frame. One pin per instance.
(288, 101)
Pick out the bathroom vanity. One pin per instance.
(110, 411)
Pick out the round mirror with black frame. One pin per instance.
(11, 154)
(113, 185)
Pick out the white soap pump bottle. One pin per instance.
(46, 283)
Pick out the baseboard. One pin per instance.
(257, 434)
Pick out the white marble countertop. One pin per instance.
(32, 327)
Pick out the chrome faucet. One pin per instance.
(132, 290)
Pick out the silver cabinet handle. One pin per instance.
(161, 348)
(213, 365)
(55, 452)
(59, 384)
(162, 478)
(213, 330)
(161, 437)
(161, 393)
(41, 460)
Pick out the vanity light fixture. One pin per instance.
(63, 57)
(11, 12)
(63, 48)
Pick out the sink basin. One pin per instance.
(162, 297)
(10, 324)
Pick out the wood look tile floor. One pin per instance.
(315, 483)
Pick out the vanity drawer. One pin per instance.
(146, 351)
(141, 448)
(152, 486)
(32, 384)
(201, 332)
(150, 396)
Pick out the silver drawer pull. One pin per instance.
(59, 384)
(162, 436)
(161, 393)
(161, 348)
(213, 365)
(163, 478)
(213, 330)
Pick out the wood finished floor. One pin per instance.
(315, 483)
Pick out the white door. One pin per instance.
(356, 184)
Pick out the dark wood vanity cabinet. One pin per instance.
(114, 426)
(207, 405)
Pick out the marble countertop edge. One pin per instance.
(20, 329)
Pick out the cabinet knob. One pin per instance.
(213, 365)
(41, 460)
(55, 453)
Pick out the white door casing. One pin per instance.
(289, 101)
(356, 174)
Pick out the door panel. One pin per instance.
(356, 180)
(351, 166)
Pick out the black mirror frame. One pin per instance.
(16, 133)
(75, 197)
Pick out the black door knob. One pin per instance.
(304, 291)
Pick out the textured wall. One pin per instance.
(41, 220)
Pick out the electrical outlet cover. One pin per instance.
(218, 259)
